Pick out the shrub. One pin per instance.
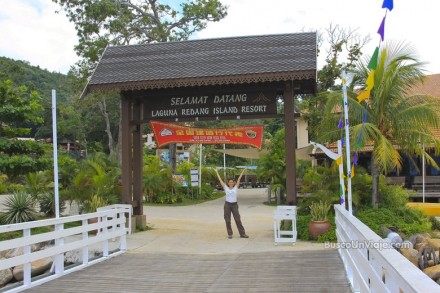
(14, 187)
(47, 204)
(394, 196)
(19, 208)
(302, 223)
(408, 221)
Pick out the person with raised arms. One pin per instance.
(231, 205)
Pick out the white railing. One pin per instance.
(110, 225)
(372, 265)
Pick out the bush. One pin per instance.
(394, 196)
(408, 221)
(302, 224)
(13, 187)
(207, 191)
(19, 208)
(47, 204)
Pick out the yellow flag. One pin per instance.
(352, 171)
(364, 95)
(339, 160)
(370, 80)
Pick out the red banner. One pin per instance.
(166, 133)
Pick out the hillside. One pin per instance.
(40, 80)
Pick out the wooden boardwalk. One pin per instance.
(291, 271)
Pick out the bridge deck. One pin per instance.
(295, 271)
(188, 251)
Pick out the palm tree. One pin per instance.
(391, 117)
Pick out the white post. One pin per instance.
(224, 162)
(423, 173)
(347, 141)
(55, 153)
(341, 172)
(200, 173)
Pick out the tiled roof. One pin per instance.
(207, 62)
(430, 86)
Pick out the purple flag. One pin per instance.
(340, 124)
(381, 30)
(355, 158)
(342, 200)
(388, 4)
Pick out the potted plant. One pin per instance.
(319, 224)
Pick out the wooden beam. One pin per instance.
(290, 143)
(137, 160)
(126, 145)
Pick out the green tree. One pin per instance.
(109, 22)
(392, 117)
(19, 108)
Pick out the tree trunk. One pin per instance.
(111, 143)
(375, 196)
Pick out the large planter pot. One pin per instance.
(93, 221)
(317, 228)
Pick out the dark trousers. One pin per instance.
(233, 208)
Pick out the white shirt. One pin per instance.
(231, 194)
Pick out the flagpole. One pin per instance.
(341, 175)
(347, 141)
(200, 173)
(224, 161)
(55, 153)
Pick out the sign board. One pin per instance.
(194, 177)
(208, 102)
(166, 133)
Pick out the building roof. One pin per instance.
(219, 61)
(430, 86)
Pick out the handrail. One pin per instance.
(372, 264)
(110, 225)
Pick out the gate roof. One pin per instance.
(221, 61)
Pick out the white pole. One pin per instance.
(423, 173)
(55, 153)
(224, 162)
(347, 141)
(200, 173)
(341, 172)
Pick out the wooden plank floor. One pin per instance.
(291, 271)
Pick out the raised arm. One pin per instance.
(219, 178)
(239, 179)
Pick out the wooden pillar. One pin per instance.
(126, 145)
(290, 143)
(137, 161)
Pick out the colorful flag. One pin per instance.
(364, 95)
(381, 30)
(373, 61)
(388, 4)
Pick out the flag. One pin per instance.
(355, 158)
(339, 160)
(381, 30)
(388, 4)
(352, 171)
(340, 124)
(373, 61)
(370, 80)
(364, 95)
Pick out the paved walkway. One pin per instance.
(188, 251)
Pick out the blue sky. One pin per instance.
(31, 30)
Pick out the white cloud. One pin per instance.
(31, 30)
